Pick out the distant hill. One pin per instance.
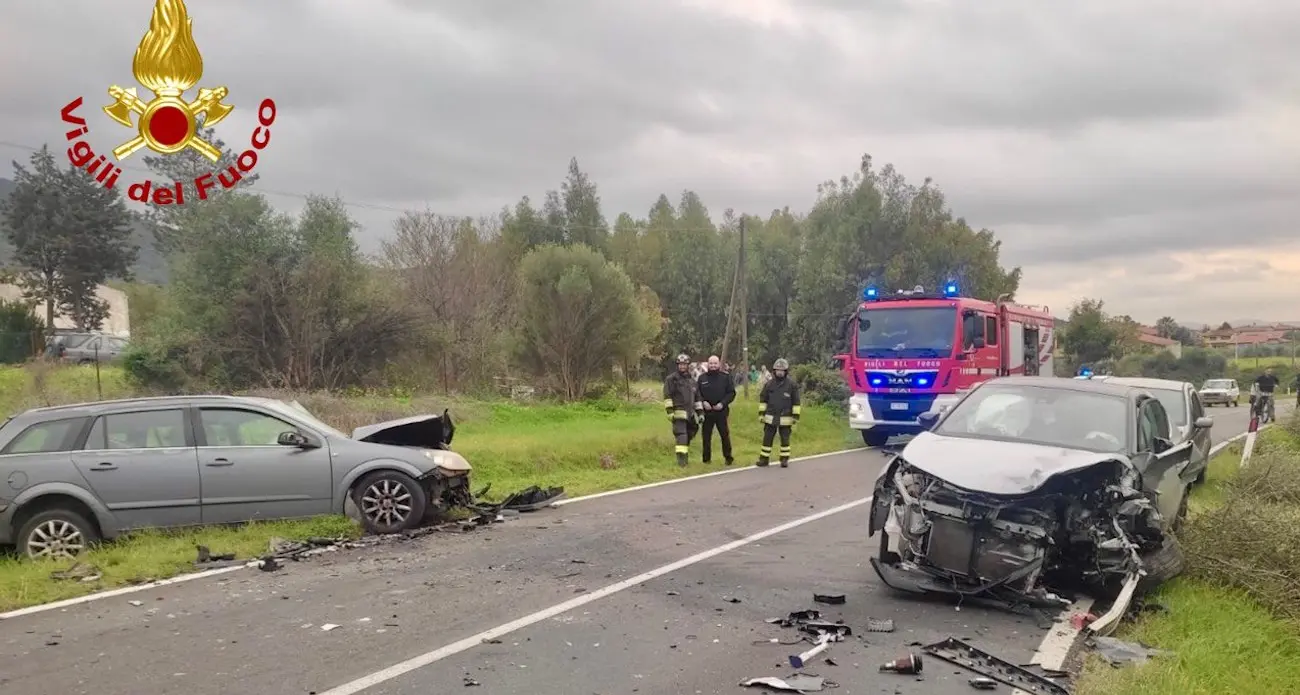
(150, 267)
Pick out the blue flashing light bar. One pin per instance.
(950, 289)
(870, 292)
(1085, 372)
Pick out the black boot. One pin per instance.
(730, 460)
(762, 462)
(785, 461)
(681, 460)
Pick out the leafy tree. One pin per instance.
(578, 312)
(70, 234)
(875, 227)
(584, 222)
(168, 221)
(1090, 336)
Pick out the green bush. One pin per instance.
(157, 367)
(20, 332)
(821, 386)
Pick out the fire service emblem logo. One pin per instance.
(168, 63)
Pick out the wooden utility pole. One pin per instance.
(731, 313)
(744, 309)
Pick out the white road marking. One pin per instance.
(472, 641)
(112, 593)
(724, 471)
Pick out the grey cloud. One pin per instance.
(1062, 126)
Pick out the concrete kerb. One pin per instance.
(122, 591)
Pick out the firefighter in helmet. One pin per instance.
(682, 403)
(778, 410)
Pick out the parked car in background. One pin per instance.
(1220, 392)
(1032, 488)
(86, 348)
(1187, 418)
(80, 473)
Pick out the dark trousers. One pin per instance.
(716, 419)
(684, 431)
(769, 433)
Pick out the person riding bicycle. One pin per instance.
(1261, 393)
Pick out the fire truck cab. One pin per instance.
(911, 352)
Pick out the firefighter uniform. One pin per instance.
(779, 410)
(682, 404)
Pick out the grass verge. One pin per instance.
(586, 448)
(1232, 620)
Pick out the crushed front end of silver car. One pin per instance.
(446, 483)
(1090, 528)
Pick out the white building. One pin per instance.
(118, 322)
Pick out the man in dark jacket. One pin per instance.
(682, 403)
(778, 410)
(717, 391)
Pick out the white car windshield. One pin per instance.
(1223, 384)
(1046, 415)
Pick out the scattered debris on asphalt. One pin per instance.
(982, 683)
(731, 599)
(1119, 653)
(823, 641)
(810, 622)
(79, 571)
(794, 683)
(959, 653)
(908, 664)
(268, 564)
(328, 626)
(1081, 620)
(137, 604)
(531, 499)
(829, 599)
(882, 625)
(471, 683)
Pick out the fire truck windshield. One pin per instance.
(906, 332)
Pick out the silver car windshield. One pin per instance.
(1224, 384)
(1041, 415)
(296, 410)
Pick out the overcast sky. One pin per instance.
(1147, 153)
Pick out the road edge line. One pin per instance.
(401, 668)
(181, 578)
(699, 476)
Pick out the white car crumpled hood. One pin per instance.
(994, 467)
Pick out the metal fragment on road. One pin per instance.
(794, 683)
(829, 599)
(884, 625)
(982, 683)
(328, 626)
(959, 653)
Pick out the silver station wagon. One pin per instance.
(73, 475)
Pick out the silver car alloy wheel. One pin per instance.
(386, 502)
(55, 538)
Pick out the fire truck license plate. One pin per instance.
(898, 406)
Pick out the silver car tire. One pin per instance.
(56, 534)
(390, 501)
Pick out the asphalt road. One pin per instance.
(677, 632)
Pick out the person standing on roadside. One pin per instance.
(778, 410)
(682, 403)
(717, 391)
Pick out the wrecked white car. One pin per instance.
(1032, 488)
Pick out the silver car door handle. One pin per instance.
(220, 462)
(105, 466)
